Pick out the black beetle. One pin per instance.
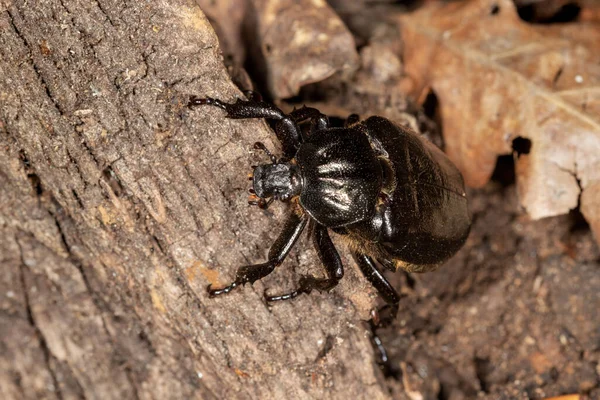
(395, 196)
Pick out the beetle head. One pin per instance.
(278, 180)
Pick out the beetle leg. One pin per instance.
(318, 120)
(286, 129)
(391, 297)
(330, 259)
(261, 146)
(376, 278)
(280, 249)
(252, 95)
(351, 120)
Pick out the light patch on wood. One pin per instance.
(153, 200)
(363, 304)
(157, 302)
(241, 373)
(157, 281)
(107, 216)
(211, 275)
(193, 17)
(190, 272)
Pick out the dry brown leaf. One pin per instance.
(565, 397)
(498, 79)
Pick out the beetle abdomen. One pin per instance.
(341, 177)
(426, 218)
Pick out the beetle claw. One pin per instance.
(198, 101)
(224, 290)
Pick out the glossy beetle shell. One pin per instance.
(425, 218)
(341, 176)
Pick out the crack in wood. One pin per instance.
(58, 215)
(31, 319)
(34, 65)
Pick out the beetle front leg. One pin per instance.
(280, 249)
(286, 129)
(329, 258)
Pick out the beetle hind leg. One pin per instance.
(386, 314)
(375, 277)
(330, 259)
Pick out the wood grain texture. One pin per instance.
(118, 205)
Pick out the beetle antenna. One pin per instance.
(261, 146)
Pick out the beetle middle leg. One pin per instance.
(329, 258)
(251, 273)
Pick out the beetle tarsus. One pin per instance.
(197, 101)
(200, 101)
(307, 285)
(223, 290)
(282, 297)
(375, 323)
(383, 361)
(377, 342)
(245, 274)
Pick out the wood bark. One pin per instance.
(119, 205)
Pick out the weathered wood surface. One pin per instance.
(118, 205)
